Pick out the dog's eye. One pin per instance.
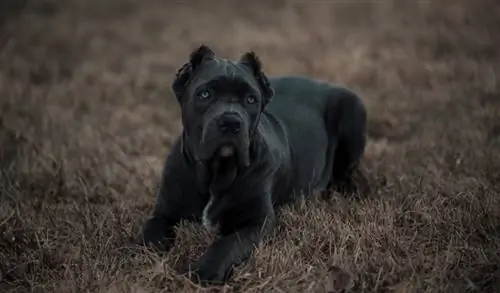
(204, 95)
(251, 99)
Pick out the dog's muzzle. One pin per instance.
(229, 124)
(225, 135)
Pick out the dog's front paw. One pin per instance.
(156, 233)
(209, 273)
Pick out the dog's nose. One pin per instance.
(229, 123)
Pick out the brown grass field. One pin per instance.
(87, 116)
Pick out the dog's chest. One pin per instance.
(207, 218)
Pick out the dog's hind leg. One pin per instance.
(346, 118)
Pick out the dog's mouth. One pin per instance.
(219, 164)
(224, 167)
(226, 151)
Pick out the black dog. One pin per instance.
(249, 145)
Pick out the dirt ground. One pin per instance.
(87, 116)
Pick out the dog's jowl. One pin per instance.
(250, 144)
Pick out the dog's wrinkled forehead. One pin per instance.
(225, 71)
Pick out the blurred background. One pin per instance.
(87, 116)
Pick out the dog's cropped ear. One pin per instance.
(183, 74)
(251, 60)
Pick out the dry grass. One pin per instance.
(86, 117)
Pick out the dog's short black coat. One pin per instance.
(250, 144)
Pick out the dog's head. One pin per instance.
(221, 102)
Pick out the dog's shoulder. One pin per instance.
(177, 162)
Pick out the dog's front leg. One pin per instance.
(177, 199)
(216, 264)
